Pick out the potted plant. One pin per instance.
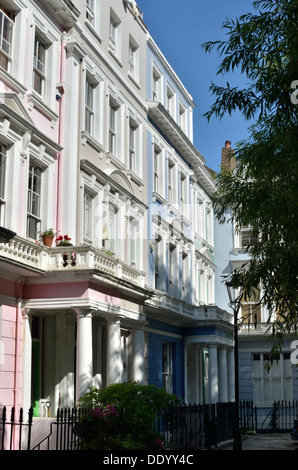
(47, 237)
(63, 241)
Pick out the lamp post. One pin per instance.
(237, 445)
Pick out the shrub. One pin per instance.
(122, 416)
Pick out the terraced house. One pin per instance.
(96, 135)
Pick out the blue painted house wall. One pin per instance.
(155, 341)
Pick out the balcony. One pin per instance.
(30, 257)
(250, 329)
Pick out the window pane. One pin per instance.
(39, 65)
(32, 225)
(87, 215)
(5, 39)
(33, 202)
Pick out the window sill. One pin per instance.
(112, 159)
(157, 197)
(112, 53)
(135, 177)
(36, 101)
(12, 82)
(131, 77)
(92, 141)
(93, 30)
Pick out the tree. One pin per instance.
(261, 192)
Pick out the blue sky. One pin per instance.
(179, 27)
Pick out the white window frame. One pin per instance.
(250, 308)
(158, 170)
(6, 25)
(133, 59)
(134, 239)
(265, 383)
(167, 366)
(172, 182)
(158, 258)
(209, 223)
(156, 84)
(36, 214)
(171, 101)
(115, 35)
(172, 271)
(46, 100)
(183, 196)
(182, 117)
(134, 151)
(185, 276)
(115, 130)
(90, 11)
(89, 106)
(116, 228)
(39, 67)
(87, 216)
(243, 237)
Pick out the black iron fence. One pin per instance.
(63, 434)
(196, 426)
(184, 427)
(280, 417)
(15, 432)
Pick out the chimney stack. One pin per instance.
(228, 161)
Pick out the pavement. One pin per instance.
(275, 441)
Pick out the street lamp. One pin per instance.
(237, 445)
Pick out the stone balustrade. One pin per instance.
(22, 251)
(32, 255)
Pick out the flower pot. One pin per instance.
(47, 240)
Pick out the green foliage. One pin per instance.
(131, 426)
(262, 191)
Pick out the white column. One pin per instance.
(27, 368)
(231, 375)
(138, 356)
(114, 366)
(223, 375)
(84, 352)
(213, 374)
